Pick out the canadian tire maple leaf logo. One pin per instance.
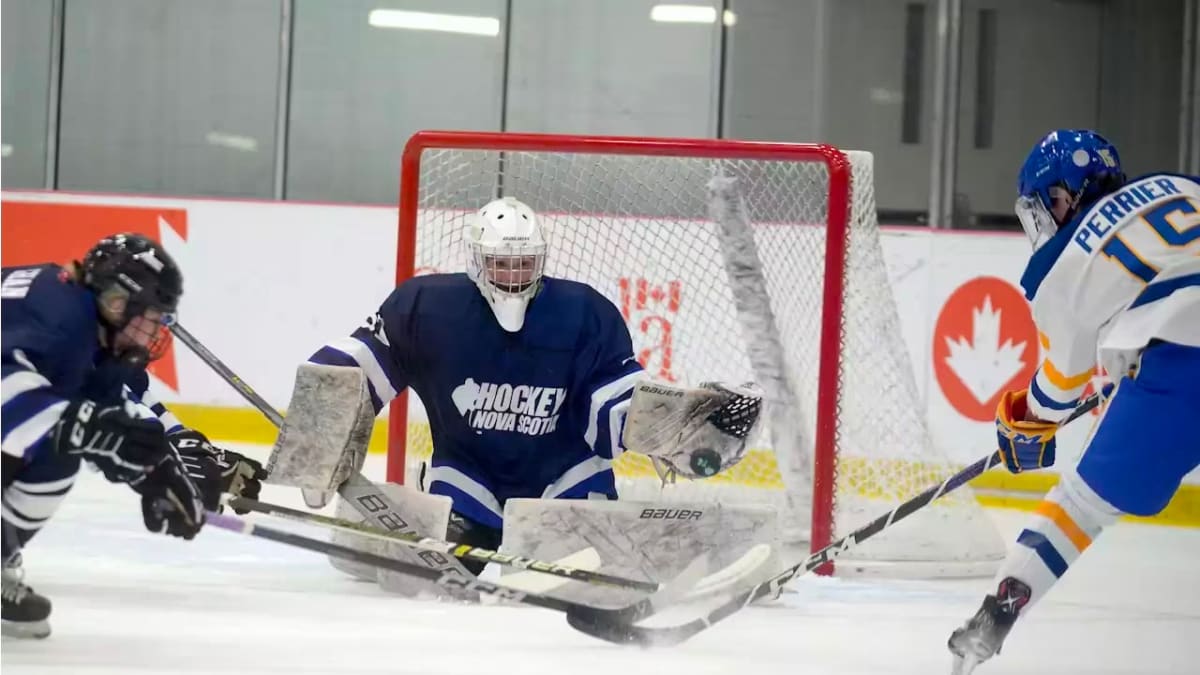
(985, 361)
(984, 343)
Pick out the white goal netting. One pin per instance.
(716, 254)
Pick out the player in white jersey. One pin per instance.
(1114, 279)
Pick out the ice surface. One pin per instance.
(129, 602)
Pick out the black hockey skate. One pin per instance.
(26, 614)
(981, 637)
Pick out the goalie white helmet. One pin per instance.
(506, 257)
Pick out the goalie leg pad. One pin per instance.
(426, 514)
(325, 435)
(648, 541)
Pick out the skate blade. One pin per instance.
(25, 630)
(964, 665)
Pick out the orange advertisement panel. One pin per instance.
(39, 232)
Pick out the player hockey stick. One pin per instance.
(456, 550)
(628, 614)
(625, 633)
(362, 494)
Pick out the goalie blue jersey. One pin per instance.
(537, 413)
(52, 355)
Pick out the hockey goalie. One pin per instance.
(532, 390)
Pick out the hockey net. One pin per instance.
(731, 261)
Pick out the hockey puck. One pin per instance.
(705, 462)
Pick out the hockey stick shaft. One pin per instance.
(226, 374)
(675, 634)
(456, 550)
(453, 581)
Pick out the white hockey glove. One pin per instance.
(695, 433)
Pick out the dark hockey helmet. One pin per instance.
(138, 286)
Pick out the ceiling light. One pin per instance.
(689, 14)
(445, 23)
(231, 141)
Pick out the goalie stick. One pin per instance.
(624, 632)
(358, 491)
(450, 548)
(635, 612)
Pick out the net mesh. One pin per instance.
(637, 228)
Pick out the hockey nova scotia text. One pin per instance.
(521, 408)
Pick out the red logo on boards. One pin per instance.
(984, 343)
(650, 311)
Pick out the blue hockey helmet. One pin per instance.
(1081, 162)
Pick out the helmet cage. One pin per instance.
(496, 262)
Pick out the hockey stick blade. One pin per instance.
(627, 633)
(726, 577)
(691, 584)
(600, 615)
(556, 569)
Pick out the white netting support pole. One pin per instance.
(764, 346)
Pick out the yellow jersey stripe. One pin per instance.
(1064, 522)
(1064, 382)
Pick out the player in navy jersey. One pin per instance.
(526, 378)
(76, 341)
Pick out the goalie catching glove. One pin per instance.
(694, 433)
(1024, 444)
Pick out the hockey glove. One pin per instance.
(1024, 445)
(171, 502)
(123, 446)
(237, 474)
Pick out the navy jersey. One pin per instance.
(51, 355)
(536, 413)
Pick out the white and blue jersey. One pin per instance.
(536, 413)
(1124, 273)
(1121, 287)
